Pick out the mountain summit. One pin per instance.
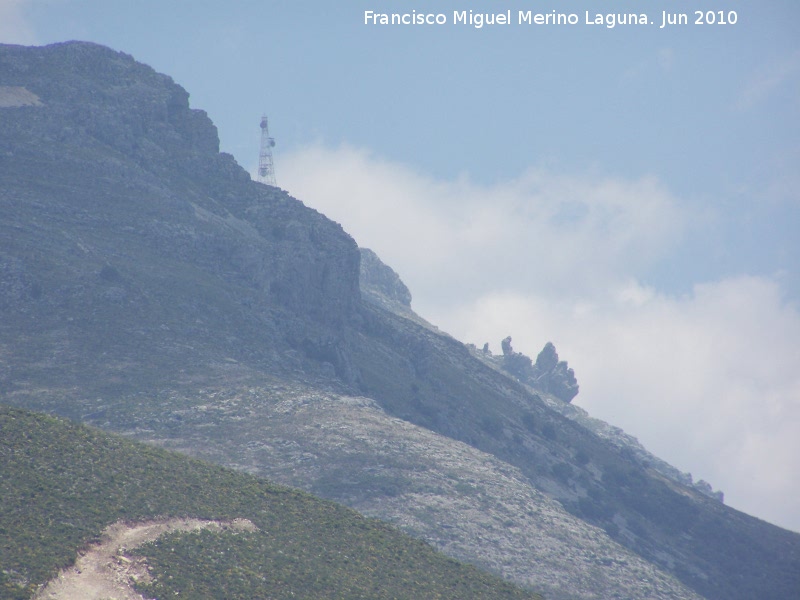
(149, 287)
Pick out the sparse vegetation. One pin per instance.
(63, 483)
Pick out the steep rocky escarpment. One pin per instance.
(133, 247)
(147, 285)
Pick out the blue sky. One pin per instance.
(632, 194)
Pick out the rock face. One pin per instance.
(148, 286)
(103, 119)
(136, 221)
(379, 282)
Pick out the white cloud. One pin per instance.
(708, 381)
(555, 233)
(14, 27)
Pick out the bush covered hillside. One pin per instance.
(61, 484)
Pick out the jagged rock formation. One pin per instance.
(553, 375)
(145, 281)
(521, 367)
(548, 374)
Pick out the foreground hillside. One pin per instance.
(62, 484)
(148, 286)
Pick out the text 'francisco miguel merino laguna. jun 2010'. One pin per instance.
(478, 20)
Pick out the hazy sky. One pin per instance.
(630, 193)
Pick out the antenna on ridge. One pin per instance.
(266, 168)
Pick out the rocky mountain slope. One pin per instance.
(148, 286)
(463, 501)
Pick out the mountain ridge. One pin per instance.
(145, 276)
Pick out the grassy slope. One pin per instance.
(62, 483)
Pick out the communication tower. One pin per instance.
(266, 168)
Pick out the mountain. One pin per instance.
(149, 287)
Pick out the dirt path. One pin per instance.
(104, 573)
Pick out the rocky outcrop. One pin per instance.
(380, 284)
(553, 375)
(548, 374)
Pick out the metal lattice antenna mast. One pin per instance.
(266, 168)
